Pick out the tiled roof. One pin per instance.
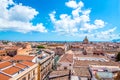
(2, 51)
(5, 57)
(13, 48)
(4, 77)
(23, 57)
(87, 63)
(5, 64)
(12, 70)
(28, 63)
(61, 78)
(59, 75)
(62, 72)
(69, 52)
(66, 58)
(20, 65)
(90, 55)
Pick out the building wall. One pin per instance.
(64, 66)
(46, 66)
(23, 51)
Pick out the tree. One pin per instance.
(40, 47)
(118, 57)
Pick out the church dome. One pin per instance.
(85, 41)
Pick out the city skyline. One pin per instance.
(63, 20)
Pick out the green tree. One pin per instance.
(118, 57)
(40, 47)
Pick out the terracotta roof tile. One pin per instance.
(4, 77)
(28, 63)
(12, 70)
(2, 51)
(22, 57)
(5, 64)
(6, 57)
(20, 65)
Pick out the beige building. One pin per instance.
(25, 50)
(29, 74)
(24, 70)
(45, 61)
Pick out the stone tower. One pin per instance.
(85, 41)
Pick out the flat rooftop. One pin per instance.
(81, 71)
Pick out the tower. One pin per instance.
(85, 41)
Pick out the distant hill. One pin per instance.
(116, 40)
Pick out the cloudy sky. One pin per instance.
(59, 20)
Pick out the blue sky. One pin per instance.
(59, 20)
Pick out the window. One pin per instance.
(65, 68)
(33, 79)
(33, 72)
(24, 78)
(28, 76)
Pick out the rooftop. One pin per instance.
(2, 51)
(4, 77)
(81, 71)
(23, 58)
(28, 63)
(59, 75)
(61, 78)
(12, 48)
(6, 58)
(66, 58)
(87, 63)
(12, 70)
(5, 64)
(20, 65)
(60, 72)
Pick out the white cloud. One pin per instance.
(73, 4)
(22, 13)
(63, 25)
(99, 23)
(18, 17)
(89, 27)
(107, 34)
(109, 31)
(77, 22)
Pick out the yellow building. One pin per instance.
(45, 61)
